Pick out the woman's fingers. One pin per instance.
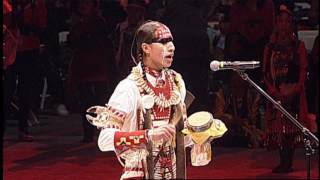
(165, 132)
(170, 129)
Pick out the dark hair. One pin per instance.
(292, 37)
(288, 3)
(141, 3)
(284, 9)
(259, 4)
(95, 2)
(78, 3)
(144, 34)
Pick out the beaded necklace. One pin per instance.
(161, 101)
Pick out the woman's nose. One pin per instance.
(170, 46)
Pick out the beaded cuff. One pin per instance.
(127, 140)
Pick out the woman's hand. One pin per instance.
(288, 90)
(274, 92)
(165, 133)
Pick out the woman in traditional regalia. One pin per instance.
(284, 71)
(140, 120)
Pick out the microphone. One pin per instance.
(234, 65)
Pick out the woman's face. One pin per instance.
(159, 55)
(284, 23)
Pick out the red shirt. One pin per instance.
(252, 24)
(92, 52)
(36, 16)
(7, 8)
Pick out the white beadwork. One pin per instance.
(159, 100)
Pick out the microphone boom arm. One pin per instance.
(307, 134)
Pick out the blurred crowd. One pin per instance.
(69, 55)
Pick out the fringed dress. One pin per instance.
(285, 66)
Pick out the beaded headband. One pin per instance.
(162, 35)
(284, 8)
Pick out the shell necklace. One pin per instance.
(158, 100)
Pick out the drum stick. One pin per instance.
(189, 99)
(148, 125)
(180, 148)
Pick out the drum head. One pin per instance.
(200, 121)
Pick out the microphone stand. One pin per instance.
(307, 134)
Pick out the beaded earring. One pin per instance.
(140, 56)
(142, 66)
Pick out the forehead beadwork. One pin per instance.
(162, 32)
(284, 9)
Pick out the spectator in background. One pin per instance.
(155, 9)
(314, 14)
(189, 27)
(92, 68)
(314, 77)
(51, 56)
(124, 34)
(289, 3)
(9, 48)
(284, 72)
(250, 25)
(247, 31)
(30, 17)
(112, 12)
(10, 36)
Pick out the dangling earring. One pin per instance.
(142, 67)
(140, 57)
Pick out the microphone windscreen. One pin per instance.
(214, 65)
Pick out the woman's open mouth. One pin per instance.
(170, 56)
